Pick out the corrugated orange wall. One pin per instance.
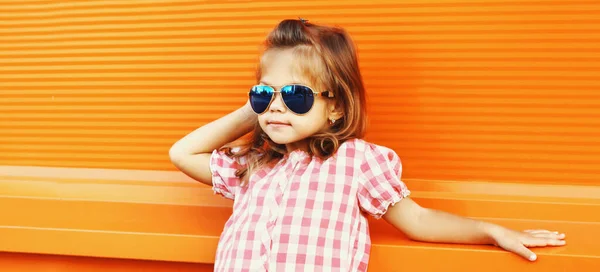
(465, 90)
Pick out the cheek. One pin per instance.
(262, 121)
(319, 110)
(317, 116)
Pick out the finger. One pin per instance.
(535, 231)
(550, 235)
(555, 242)
(540, 242)
(524, 252)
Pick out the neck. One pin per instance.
(300, 145)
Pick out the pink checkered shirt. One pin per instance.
(306, 214)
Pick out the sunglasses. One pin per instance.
(297, 98)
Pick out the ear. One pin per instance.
(335, 112)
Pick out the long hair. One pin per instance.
(327, 56)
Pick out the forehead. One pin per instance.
(285, 66)
(277, 68)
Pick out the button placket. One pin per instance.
(276, 195)
(294, 162)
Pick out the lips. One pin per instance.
(280, 123)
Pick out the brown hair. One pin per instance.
(328, 58)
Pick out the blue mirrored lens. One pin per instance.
(260, 98)
(298, 98)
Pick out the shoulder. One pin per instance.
(231, 154)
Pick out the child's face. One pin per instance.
(278, 122)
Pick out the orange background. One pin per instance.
(493, 91)
(488, 90)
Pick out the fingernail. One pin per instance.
(556, 232)
(532, 257)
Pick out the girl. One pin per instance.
(304, 183)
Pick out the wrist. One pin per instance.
(247, 114)
(247, 109)
(491, 232)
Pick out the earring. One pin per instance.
(332, 120)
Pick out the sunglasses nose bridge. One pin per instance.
(277, 103)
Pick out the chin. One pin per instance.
(282, 139)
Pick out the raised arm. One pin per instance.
(191, 154)
(428, 225)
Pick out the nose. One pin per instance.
(277, 104)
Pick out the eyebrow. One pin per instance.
(291, 83)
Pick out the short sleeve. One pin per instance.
(223, 168)
(381, 185)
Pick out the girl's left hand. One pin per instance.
(518, 242)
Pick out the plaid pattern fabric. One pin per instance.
(306, 214)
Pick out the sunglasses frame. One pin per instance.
(327, 94)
